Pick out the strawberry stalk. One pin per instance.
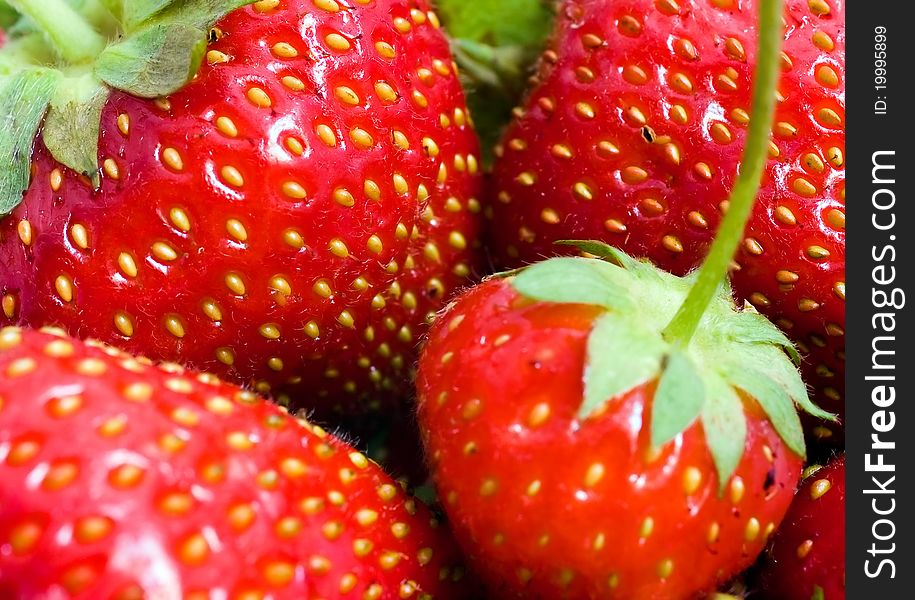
(68, 31)
(714, 269)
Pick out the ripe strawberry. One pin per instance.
(632, 136)
(119, 479)
(807, 557)
(552, 501)
(288, 219)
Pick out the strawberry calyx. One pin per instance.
(686, 332)
(731, 350)
(62, 60)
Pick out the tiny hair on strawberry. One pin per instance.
(123, 480)
(280, 192)
(597, 427)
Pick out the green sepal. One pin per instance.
(136, 12)
(774, 400)
(724, 424)
(621, 355)
(753, 327)
(24, 99)
(679, 398)
(613, 254)
(575, 280)
(72, 126)
(155, 61)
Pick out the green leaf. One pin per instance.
(201, 14)
(155, 61)
(497, 22)
(621, 355)
(725, 426)
(774, 400)
(678, 400)
(24, 99)
(71, 129)
(575, 280)
(136, 12)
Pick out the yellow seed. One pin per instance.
(692, 479)
(236, 229)
(665, 568)
(343, 197)
(338, 248)
(681, 83)
(702, 170)
(402, 25)
(345, 319)
(258, 97)
(172, 159)
(737, 489)
(784, 215)
(284, 50)
(124, 323)
(24, 229)
(785, 129)
(752, 246)
(211, 309)
(235, 283)
(819, 7)
(164, 252)
(174, 325)
(346, 95)
(819, 488)
(751, 531)
(827, 76)
(232, 176)
(594, 474)
(179, 219)
(803, 187)
(294, 190)
(672, 243)
(829, 117)
(64, 286)
(293, 83)
(385, 50)
(9, 310)
(678, 114)
(123, 124)
(337, 42)
(836, 218)
(817, 252)
(111, 168)
(270, 331)
(721, 134)
(822, 41)
(488, 487)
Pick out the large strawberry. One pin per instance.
(607, 429)
(807, 557)
(288, 219)
(632, 135)
(119, 479)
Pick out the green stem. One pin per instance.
(68, 31)
(743, 195)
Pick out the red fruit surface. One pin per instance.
(123, 480)
(549, 506)
(808, 552)
(633, 135)
(287, 220)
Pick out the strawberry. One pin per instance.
(602, 428)
(807, 557)
(120, 479)
(632, 135)
(288, 219)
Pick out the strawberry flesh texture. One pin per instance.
(666, 63)
(809, 548)
(135, 210)
(228, 493)
(492, 363)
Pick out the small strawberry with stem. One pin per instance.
(601, 428)
(279, 192)
(632, 136)
(807, 558)
(124, 480)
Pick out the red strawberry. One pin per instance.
(633, 133)
(119, 479)
(288, 219)
(807, 558)
(555, 496)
